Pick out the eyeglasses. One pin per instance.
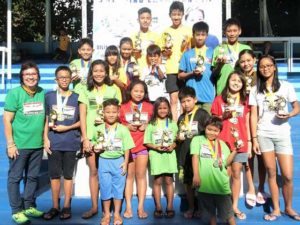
(63, 78)
(268, 66)
(29, 74)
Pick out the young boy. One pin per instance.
(144, 37)
(190, 123)
(226, 55)
(80, 67)
(154, 74)
(113, 141)
(195, 65)
(175, 40)
(210, 157)
(61, 140)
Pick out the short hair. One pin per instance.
(153, 50)
(132, 84)
(232, 21)
(126, 40)
(85, 41)
(144, 10)
(64, 68)
(200, 26)
(176, 5)
(28, 65)
(110, 101)
(186, 92)
(215, 121)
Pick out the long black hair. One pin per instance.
(131, 86)
(90, 79)
(113, 50)
(261, 81)
(156, 104)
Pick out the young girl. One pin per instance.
(160, 138)
(135, 114)
(246, 64)
(90, 100)
(271, 131)
(232, 107)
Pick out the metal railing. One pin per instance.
(3, 51)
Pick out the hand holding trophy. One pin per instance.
(222, 57)
(52, 118)
(280, 106)
(238, 143)
(167, 45)
(165, 140)
(100, 143)
(199, 69)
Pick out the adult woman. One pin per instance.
(23, 120)
(270, 130)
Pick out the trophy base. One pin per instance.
(136, 123)
(99, 121)
(51, 124)
(282, 113)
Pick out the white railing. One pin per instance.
(3, 51)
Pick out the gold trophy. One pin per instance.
(167, 41)
(182, 130)
(165, 140)
(200, 64)
(221, 54)
(136, 117)
(135, 70)
(184, 43)
(74, 70)
(100, 117)
(280, 105)
(100, 143)
(249, 80)
(238, 143)
(230, 107)
(52, 118)
(138, 43)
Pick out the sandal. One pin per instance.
(89, 214)
(271, 217)
(240, 215)
(105, 220)
(53, 212)
(142, 214)
(170, 213)
(127, 214)
(251, 199)
(295, 216)
(65, 213)
(188, 214)
(158, 214)
(117, 220)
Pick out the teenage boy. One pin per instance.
(190, 123)
(210, 158)
(80, 67)
(195, 65)
(226, 55)
(61, 140)
(112, 141)
(144, 37)
(174, 41)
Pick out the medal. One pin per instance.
(188, 123)
(216, 153)
(216, 163)
(60, 117)
(61, 104)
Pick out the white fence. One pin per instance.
(3, 51)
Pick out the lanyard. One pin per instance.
(110, 133)
(188, 122)
(99, 95)
(201, 51)
(61, 103)
(85, 69)
(216, 153)
(160, 122)
(138, 107)
(233, 53)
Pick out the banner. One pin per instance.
(114, 19)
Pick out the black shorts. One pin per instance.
(173, 84)
(61, 163)
(188, 170)
(215, 205)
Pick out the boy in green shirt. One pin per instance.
(112, 141)
(210, 158)
(226, 55)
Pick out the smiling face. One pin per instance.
(86, 52)
(163, 110)
(145, 21)
(126, 50)
(30, 77)
(112, 59)
(232, 33)
(235, 83)
(98, 73)
(247, 62)
(267, 68)
(111, 114)
(211, 132)
(63, 79)
(176, 17)
(137, 93)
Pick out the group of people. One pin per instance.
(123, 112)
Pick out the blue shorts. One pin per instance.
(282, 145)
(112, 182)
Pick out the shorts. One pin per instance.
(188, 170)
(215, 205)
(241, 157)
(112, 182)
(135, 155)
(61, 163)
(281, 145)
(173, 84)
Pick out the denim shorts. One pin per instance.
(282, 145)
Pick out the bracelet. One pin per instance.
(11, 146)
(254, 137)
(11, 142)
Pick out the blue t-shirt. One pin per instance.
(69, 140)
(203, 85)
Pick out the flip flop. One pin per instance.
(142, 214)
(271, 217)
(240, 215)
(117, 220)
(89, 214)
(294, 217)
(260, 198)
(127, 215)
(251, 199)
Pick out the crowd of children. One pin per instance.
(124, 111)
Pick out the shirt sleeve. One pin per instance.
(83, 97)
(148, 134)
(195, 145)
(11, 104)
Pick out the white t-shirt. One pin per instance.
(156, 87)
(268, 124)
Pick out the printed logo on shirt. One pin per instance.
(92, 102)
(68, 112)
(239, 109)
(115, 146)
(33, 108)
(205, 151)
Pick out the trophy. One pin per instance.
(136, 117)
(200, 64)
(74, 70)
(166, 139)
(167, 41)
(100, 143)
(132, 70)
(222, 55)
(249, 80)
(280, 105)
(52, 118)
(238, 143)
(100, 117)
(230, 106)
(184, 43)
(138, 43)
(182, 130)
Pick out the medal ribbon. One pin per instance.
(216, 153)
(160, 122)
(188, 122)
(99, 95)
(110, 133)
(139, 106)
(61, 104)
(233, 52)
(85, 69)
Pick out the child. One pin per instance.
(232, 107)
(144, 37)
(246, 64)
(195, 66)
(61, 140)
(271, 131)
(175, 40)
(226, 55)
(90, 100)
(210, 158)
(190, 123)
(63, 45)
(160, 138)
(80, 67)
(113, 141)
(154, 74)
(135, 114)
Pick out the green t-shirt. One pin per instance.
(161, 162)
(213, 180)
(83, 69)
(89, 98)
(228, 67)
(117, 141)
(29, 120)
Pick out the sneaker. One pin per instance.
(20, 218)
(33, 212)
